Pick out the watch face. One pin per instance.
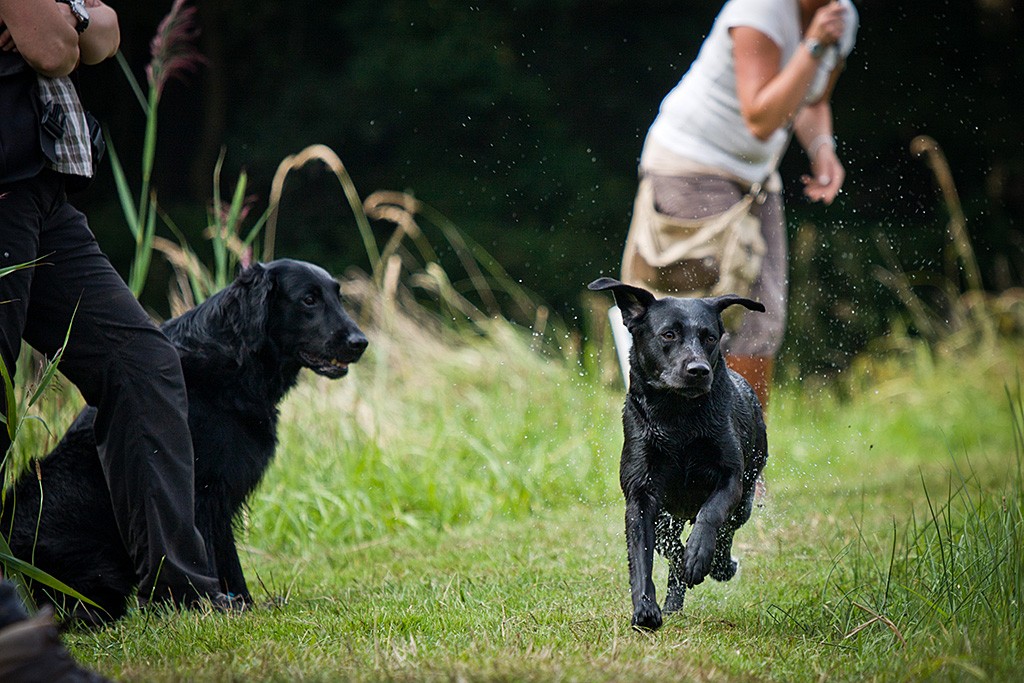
(81, 13)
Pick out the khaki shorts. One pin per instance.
(699, 196)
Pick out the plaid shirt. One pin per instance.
(74, 150)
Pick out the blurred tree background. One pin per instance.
(522, 121)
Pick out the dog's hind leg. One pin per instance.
(668, 542)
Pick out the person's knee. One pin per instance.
(142, 362)
(153, 358)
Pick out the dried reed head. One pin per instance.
(172, 50)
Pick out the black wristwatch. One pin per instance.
(81, 13)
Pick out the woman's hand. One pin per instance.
(65, 11)
(826, 177)
(827, 24)
(101, 40)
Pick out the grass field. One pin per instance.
(450, 511)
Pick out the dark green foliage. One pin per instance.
(522, 123)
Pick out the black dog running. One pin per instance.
(695, 443)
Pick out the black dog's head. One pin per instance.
(306, 319)
(676, 342)
(292, 310)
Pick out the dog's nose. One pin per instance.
(357, 342)
(698, 369)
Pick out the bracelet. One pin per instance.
(818, 142)
(816, 48)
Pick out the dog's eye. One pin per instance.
(668, 335)
(707, 336)
(309, 300)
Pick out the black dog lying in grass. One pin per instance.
(695, 443)
(241, 351)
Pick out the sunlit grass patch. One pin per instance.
(463, 520)
(421, 435)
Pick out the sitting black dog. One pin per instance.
(241, 351)
(695, 443)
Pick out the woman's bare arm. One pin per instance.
(770, 94)
(813, 128)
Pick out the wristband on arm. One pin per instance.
(817, 143)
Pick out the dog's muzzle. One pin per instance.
(691, 380)
(336, 365)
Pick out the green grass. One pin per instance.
(450, 511)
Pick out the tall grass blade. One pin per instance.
(11, 418)
(185, 262)
(7, 270)
(927, 147)
(124, 193)
(333, 162)
(218, 238)
(149, 147)
(143, 250)
(13, 564)
(133, 82)
(254, 232)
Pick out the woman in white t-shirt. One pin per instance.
(766, 69)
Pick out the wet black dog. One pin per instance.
(241, 351)
(695, 443)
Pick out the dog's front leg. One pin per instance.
(214, 521)
(723, 565)
(642, 503)
(641, 510)
(700, 545)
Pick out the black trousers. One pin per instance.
(122, 364)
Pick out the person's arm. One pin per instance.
(770, 94)
(101, 40)
(813, 129)
(41, 32)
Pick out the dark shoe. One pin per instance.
(222, 602)
(216, 602)
(31, 652)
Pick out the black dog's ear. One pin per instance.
(632, 301)
(720, 303)
(249, 304)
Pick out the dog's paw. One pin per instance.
(724, 569)
(674, 599)
(647, 616)
(700, 549)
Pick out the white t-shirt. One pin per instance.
(700, 120)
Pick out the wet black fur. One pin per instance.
(695, 443)
(241, 351)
